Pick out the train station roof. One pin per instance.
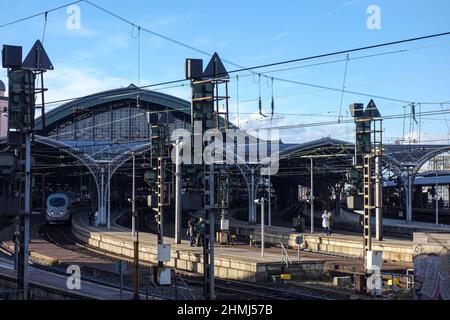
(131, 92)
(331, 157)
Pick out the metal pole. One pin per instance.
(102, 199)
(211, 219)
(109, 196)
(252, 214)
(262, 227)
(16, 243)
(121, 278)
(27, 214)
(178, 200)
(436, 194)
(312, 196)
(136, 267)
(409, 199)
(135, 231)
(133, 199)
(270, 201)
(250, 200)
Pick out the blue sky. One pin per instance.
(102, 54)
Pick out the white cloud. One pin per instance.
(68, 82)
(280, 36)
(295, 135)
(341, 7)
(425, 138)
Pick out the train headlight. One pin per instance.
(61, 213)
(52, 213)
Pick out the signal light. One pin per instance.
(21, 98)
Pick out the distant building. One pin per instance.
(440, 163)
(3, 111)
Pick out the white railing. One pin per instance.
(285, 256)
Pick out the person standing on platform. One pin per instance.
(91, 218)
(191, 231)
(200, 232)
(326, 222)
(330, 223)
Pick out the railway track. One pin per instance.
(230, 289)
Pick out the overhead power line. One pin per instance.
(40, 14)
(252, 69)
(333, 123)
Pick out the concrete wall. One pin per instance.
(431, 243)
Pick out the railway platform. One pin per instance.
(238, 262)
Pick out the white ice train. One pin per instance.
(60, 207)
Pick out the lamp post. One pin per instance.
(178, 199)
(133, 199)
(262, 203)
(312, 196)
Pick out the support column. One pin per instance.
(312, 196)
(270, 201)
(102, 209)
(109, 196)
(133, 199)
(24, 237)
(409, 199)
(178, 199)
(252, 202)
(262, 227)
(437, 196)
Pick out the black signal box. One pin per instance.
(11, 56)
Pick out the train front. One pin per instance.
(58, 208)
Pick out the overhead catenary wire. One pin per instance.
(343, 87)
(266, 65)
(333, 123)
(179, 84)
(39, 14)
(231, 63)
(276, 63)
(446, 122)
(380, 45)
(324, 123)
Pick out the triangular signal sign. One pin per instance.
(215, 68)
(372, 110)
(37, 58)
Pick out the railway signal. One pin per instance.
(368, 152)
(21, 111)
(205, 109)
(21, 98)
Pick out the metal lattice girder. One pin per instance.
(368, 202)
(432, 154)
(87, 160)
(119, 161)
